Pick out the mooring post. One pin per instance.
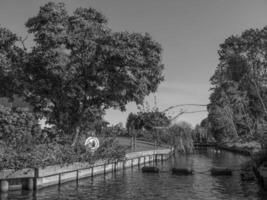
(105, 168)
(145, 160)
(59, 179)
(123, 164)
(77, 175)
(35, 179)
(92, 171)
(4, 185)
(114, 166)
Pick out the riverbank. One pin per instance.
(131, 183)
(245, 148)
(256, 167)
(37, 178)
(250, 147)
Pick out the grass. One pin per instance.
(140, 145)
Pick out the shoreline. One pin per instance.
(37, 178)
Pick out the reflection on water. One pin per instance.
(132, 184)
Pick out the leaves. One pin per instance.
(19, 129)
(239, 93)
(78, 67)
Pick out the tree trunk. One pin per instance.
(134, 145)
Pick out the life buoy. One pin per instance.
(92, 143)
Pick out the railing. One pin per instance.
(32, 179)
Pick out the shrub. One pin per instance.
(42, 155)
(24, 145)
(18, 127)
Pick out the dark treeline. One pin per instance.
(238, 97)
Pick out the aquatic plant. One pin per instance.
(181, 139)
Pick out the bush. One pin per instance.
(24, 145)
(42, 155)
(19, 128)
(54, 153)
(182, 139)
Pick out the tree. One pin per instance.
(239, 84)
(181, 138)
(11, 57)
(134, 123)
(151, 120)
(79, 67)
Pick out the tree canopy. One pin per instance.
(78, 66)
(238, 99)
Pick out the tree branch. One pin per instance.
(181, 105)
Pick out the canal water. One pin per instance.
(133, 184)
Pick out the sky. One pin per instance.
(189, 31)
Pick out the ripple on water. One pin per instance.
(132, 184)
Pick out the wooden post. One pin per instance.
(123, 164)
(59, 179)
(144, 160)
(92, 172)
(115, 165)
(4, 185)
(105, 168)
(35, 179)
(132, 143)
(77, 175)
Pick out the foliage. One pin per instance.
(54, 153)
(146, 123)
(181, 138)
(23, 144)
(148, 119)
(79, 67)
(238, 100)
(110, 150)
(202, 132)
(11, 58)
(19, 128)
(116, 130)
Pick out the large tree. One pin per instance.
(79, 67)
(238, 99)
(11, 58)
(151, 120)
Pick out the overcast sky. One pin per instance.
(189, 31)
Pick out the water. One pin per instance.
(133, 184)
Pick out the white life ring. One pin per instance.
(92, 143)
